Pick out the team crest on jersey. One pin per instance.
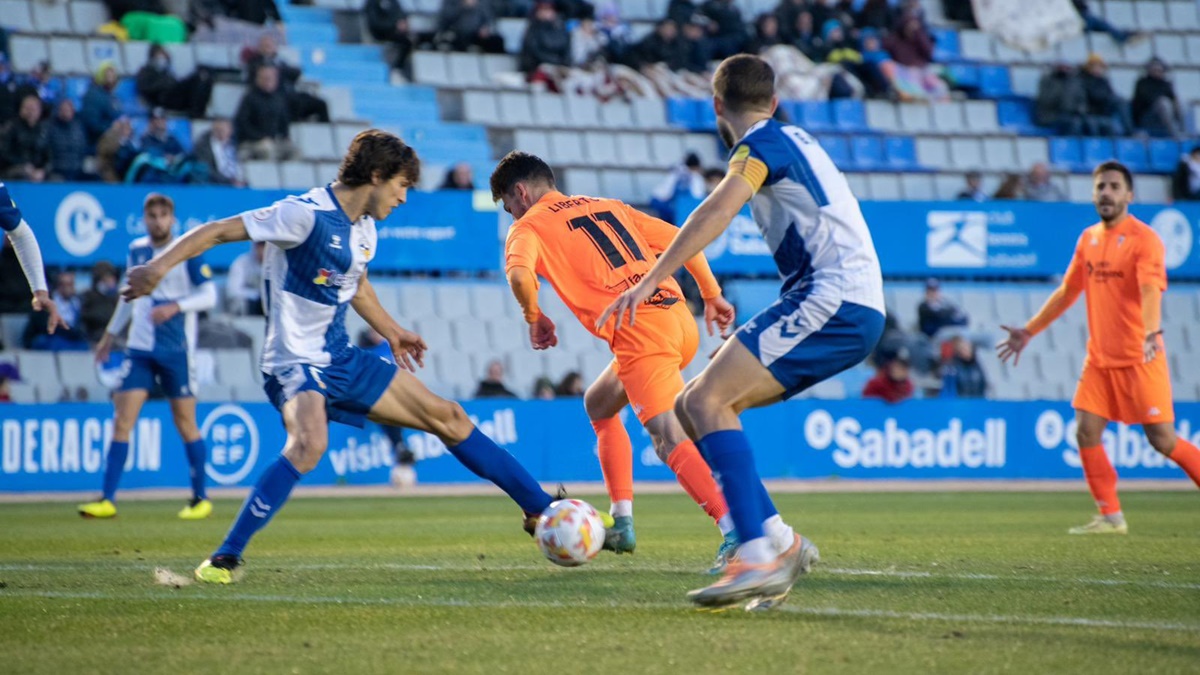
(366, 250)
(1120, 240)
(206, 271)
(330, 278)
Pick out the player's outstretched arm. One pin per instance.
(141, 280)
(1059, 301)
(406, 345)
(523, 283)
(705, 224)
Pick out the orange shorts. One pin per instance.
(1139, 394)
(651, 356)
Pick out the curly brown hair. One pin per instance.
(378, 154)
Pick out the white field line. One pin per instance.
(834, 612)
(484, 566)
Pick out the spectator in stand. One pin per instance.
(26, 154)
(726, 32)
(492, 386)
(543, 389)
(617, 34)
(243, 287)
(786, 13)
(587, 44)
(100, 107)
(216, 150)
(892, 382)
(257, 12)
(962, 376)
(712, 178)
(1185, 184)
(1040, 188)
(874, 14)
(468, 25)
(158, 139)
(972, 190)
(805, 38)
(570, 386)
(833, 10)
(388, 22)
(459, 178)
(836, 47)
(301, 104)
(546, 43)
(116, 150)
(912, 49)
(766, 34)
(681, 11)
(1155, 107)
(42, 83)
(1010, 187)
(70, 338)
(878, 72)
(9, 102)
(158, 84)
(1093, 23)
(99, 302)
(262, 122)
(697, 49)
(1061, 101)
(575, 9)
(936, 312)
(1107, 113)
(68, 144)
(685, 180)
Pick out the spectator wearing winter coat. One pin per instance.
(26, 150)
(262, 122)
(159, 85)
(1155, 107)
(547, 42)
(469, 24)
(68, 143)
(962, 376)
(100, 107)
(727, 30)
(1185, 184)
(1107, 113)
(1061, 101)
(216, 150)
(388, 23)
(893, 382)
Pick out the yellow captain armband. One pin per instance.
(750, 169)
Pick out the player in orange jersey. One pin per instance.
(1118, 263)
(591, 250)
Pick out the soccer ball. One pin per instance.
(569, 532)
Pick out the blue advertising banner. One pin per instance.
(78, 224)
(61, 447)
(967, 239)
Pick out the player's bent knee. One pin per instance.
(1162, 440)
(449, 422)
(306, 448)
(693, 403)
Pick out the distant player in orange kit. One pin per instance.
(591, 250)
(1118, 262)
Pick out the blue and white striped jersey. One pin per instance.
(808, 216)
(311, 271)
(177, 334)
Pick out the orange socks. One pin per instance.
(1187, 456)
(693, 474)
(1101, 478)
(616, 458)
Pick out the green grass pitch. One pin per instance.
(911, 583)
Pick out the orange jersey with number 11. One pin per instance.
(592, 250)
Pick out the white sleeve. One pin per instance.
(236, 280)
(29, 255)
(202, 299)
(286, 223)
(120, 318)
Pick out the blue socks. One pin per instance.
(114, 466)
(196, 455)
(487, 460)
(728, 453)
(265, 500)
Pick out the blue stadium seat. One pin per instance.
(126, 94)
(867, 152)
(812, 115)
(681, 112)
(309, 34)
(706, 117)
(963, 75)
(294, 15)
(335, 53)
(387, 113)
(1096, 150)
(1017, 114)
(946, 46)
(1066, 153)
(341, 73)
(178, 127)
(1132, 153)
(1164, 155)
(849, 114)
(994, 81)
(901, 153)
(837, 148)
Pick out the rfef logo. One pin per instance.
(956, 239)
(1176, 233)
(232, 440)
(80, 224)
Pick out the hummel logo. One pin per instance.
(259, 508)
(335, 241)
